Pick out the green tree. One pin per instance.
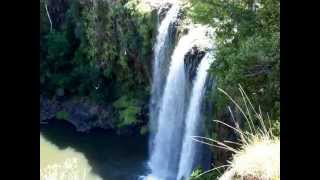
(247, 47)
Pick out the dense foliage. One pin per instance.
(97, 49)
(248, 49)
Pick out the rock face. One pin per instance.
(163, 11)
(85, 115)
(81, 113)
(191, 61)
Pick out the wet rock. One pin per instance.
(191, 61)
(83, 114)
(163, 11)
(60, 92)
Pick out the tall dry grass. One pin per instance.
(258, 155)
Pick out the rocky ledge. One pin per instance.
(81, 113)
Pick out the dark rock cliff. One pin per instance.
(81, 113)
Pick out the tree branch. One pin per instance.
(46, 6)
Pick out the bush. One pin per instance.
(100, 52)
(247, 49)
(128, 110)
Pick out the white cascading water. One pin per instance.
(164, 161)
(161, 58)
(193, 120)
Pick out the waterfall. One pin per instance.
(164, 161)
(162, 50)
(193, 120)
(169, 97)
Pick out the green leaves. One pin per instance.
(62, 115)
(57, 45)
(249, 47)
(100, 51)
(199, 174)
(128, 115)
(248, 50)
(128, 110)
(98, 36)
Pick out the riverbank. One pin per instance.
(110, 156)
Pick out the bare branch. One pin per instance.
(46, 6)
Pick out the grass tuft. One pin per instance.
(258, 155)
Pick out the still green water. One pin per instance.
(90, 156)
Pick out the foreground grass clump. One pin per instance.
(257, 155)
(260, 159)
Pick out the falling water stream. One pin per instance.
(161, 60)
(193, 120)
(165, 155)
